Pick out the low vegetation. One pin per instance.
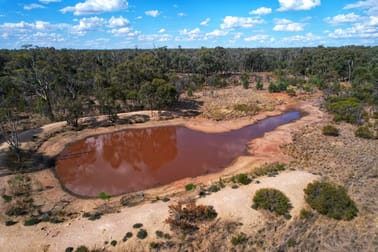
(241, 178)
(238, 239)
(270, 169)
(190, 187)
(142, 234)
(330, 200)
(272, 200)
(187, 217)
(330, 130)
(364, 132)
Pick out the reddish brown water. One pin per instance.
(138, 159)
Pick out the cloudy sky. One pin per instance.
(114, 24)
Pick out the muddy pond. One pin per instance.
(138, 159)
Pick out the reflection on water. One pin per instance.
(137, 159)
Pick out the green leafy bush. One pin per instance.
(330, 130)
(330, 200)
(364, 132)
(241, 178)
(137, 225)
(31, 221)
(305, 214)
(272, 200)
(82, 249)
(189, 187)
(142, 234)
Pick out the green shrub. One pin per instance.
(239, 239)
(213, 188)
(10, 223)
(113, 243)
(189, 187)
(330, 200)
(259, 85)
(305, 214)
(241, 178)
(291, 243)
(31, 221)
(272, 200)
(69, 249)
(364, 132)
(159, 234)
(82, 249)
(137, 225)
(104, 196)
(330, 130)
(142, 234)
(6, 198)
(127, 236)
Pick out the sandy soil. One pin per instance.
(233, 205)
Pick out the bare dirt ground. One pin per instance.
(345, 160)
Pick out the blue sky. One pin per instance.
(116, 24)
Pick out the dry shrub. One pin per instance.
(187, 217)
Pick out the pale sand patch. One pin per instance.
(231, 204)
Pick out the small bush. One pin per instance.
(127, 236)
(159, 234)
(10, 223)
(113, 243)
(185, 217)
(269, 169)
(364, 132)
(189, 187)
(6, 198)
(104, 196)
(330, 130)
(272, 200)
(249, 109)
(82, 249)
(31, 221)
(239, 239)
(137, 225)
(305, 214)
(330, 200)
(213, 188)
(142, 234)
(259, 85)
(241, 178)
(69, 249)
(345, 109)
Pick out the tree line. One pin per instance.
(67, 84)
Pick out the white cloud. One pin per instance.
(152, 13)
(33, 6)
(96, 6)
(162, 30)
(88, 24)
(371, 6)
(339, 19)
(181, 14)
(49, 1)
(205, 22)
(190, 35)
(155, 37)
(261, 11)
(231, 22)
(259, 37)
(216, 33)
(126, 32)
(287, 25)
(118, 22)
(368, 29)
(287, 5)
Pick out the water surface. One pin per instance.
(137, 159)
